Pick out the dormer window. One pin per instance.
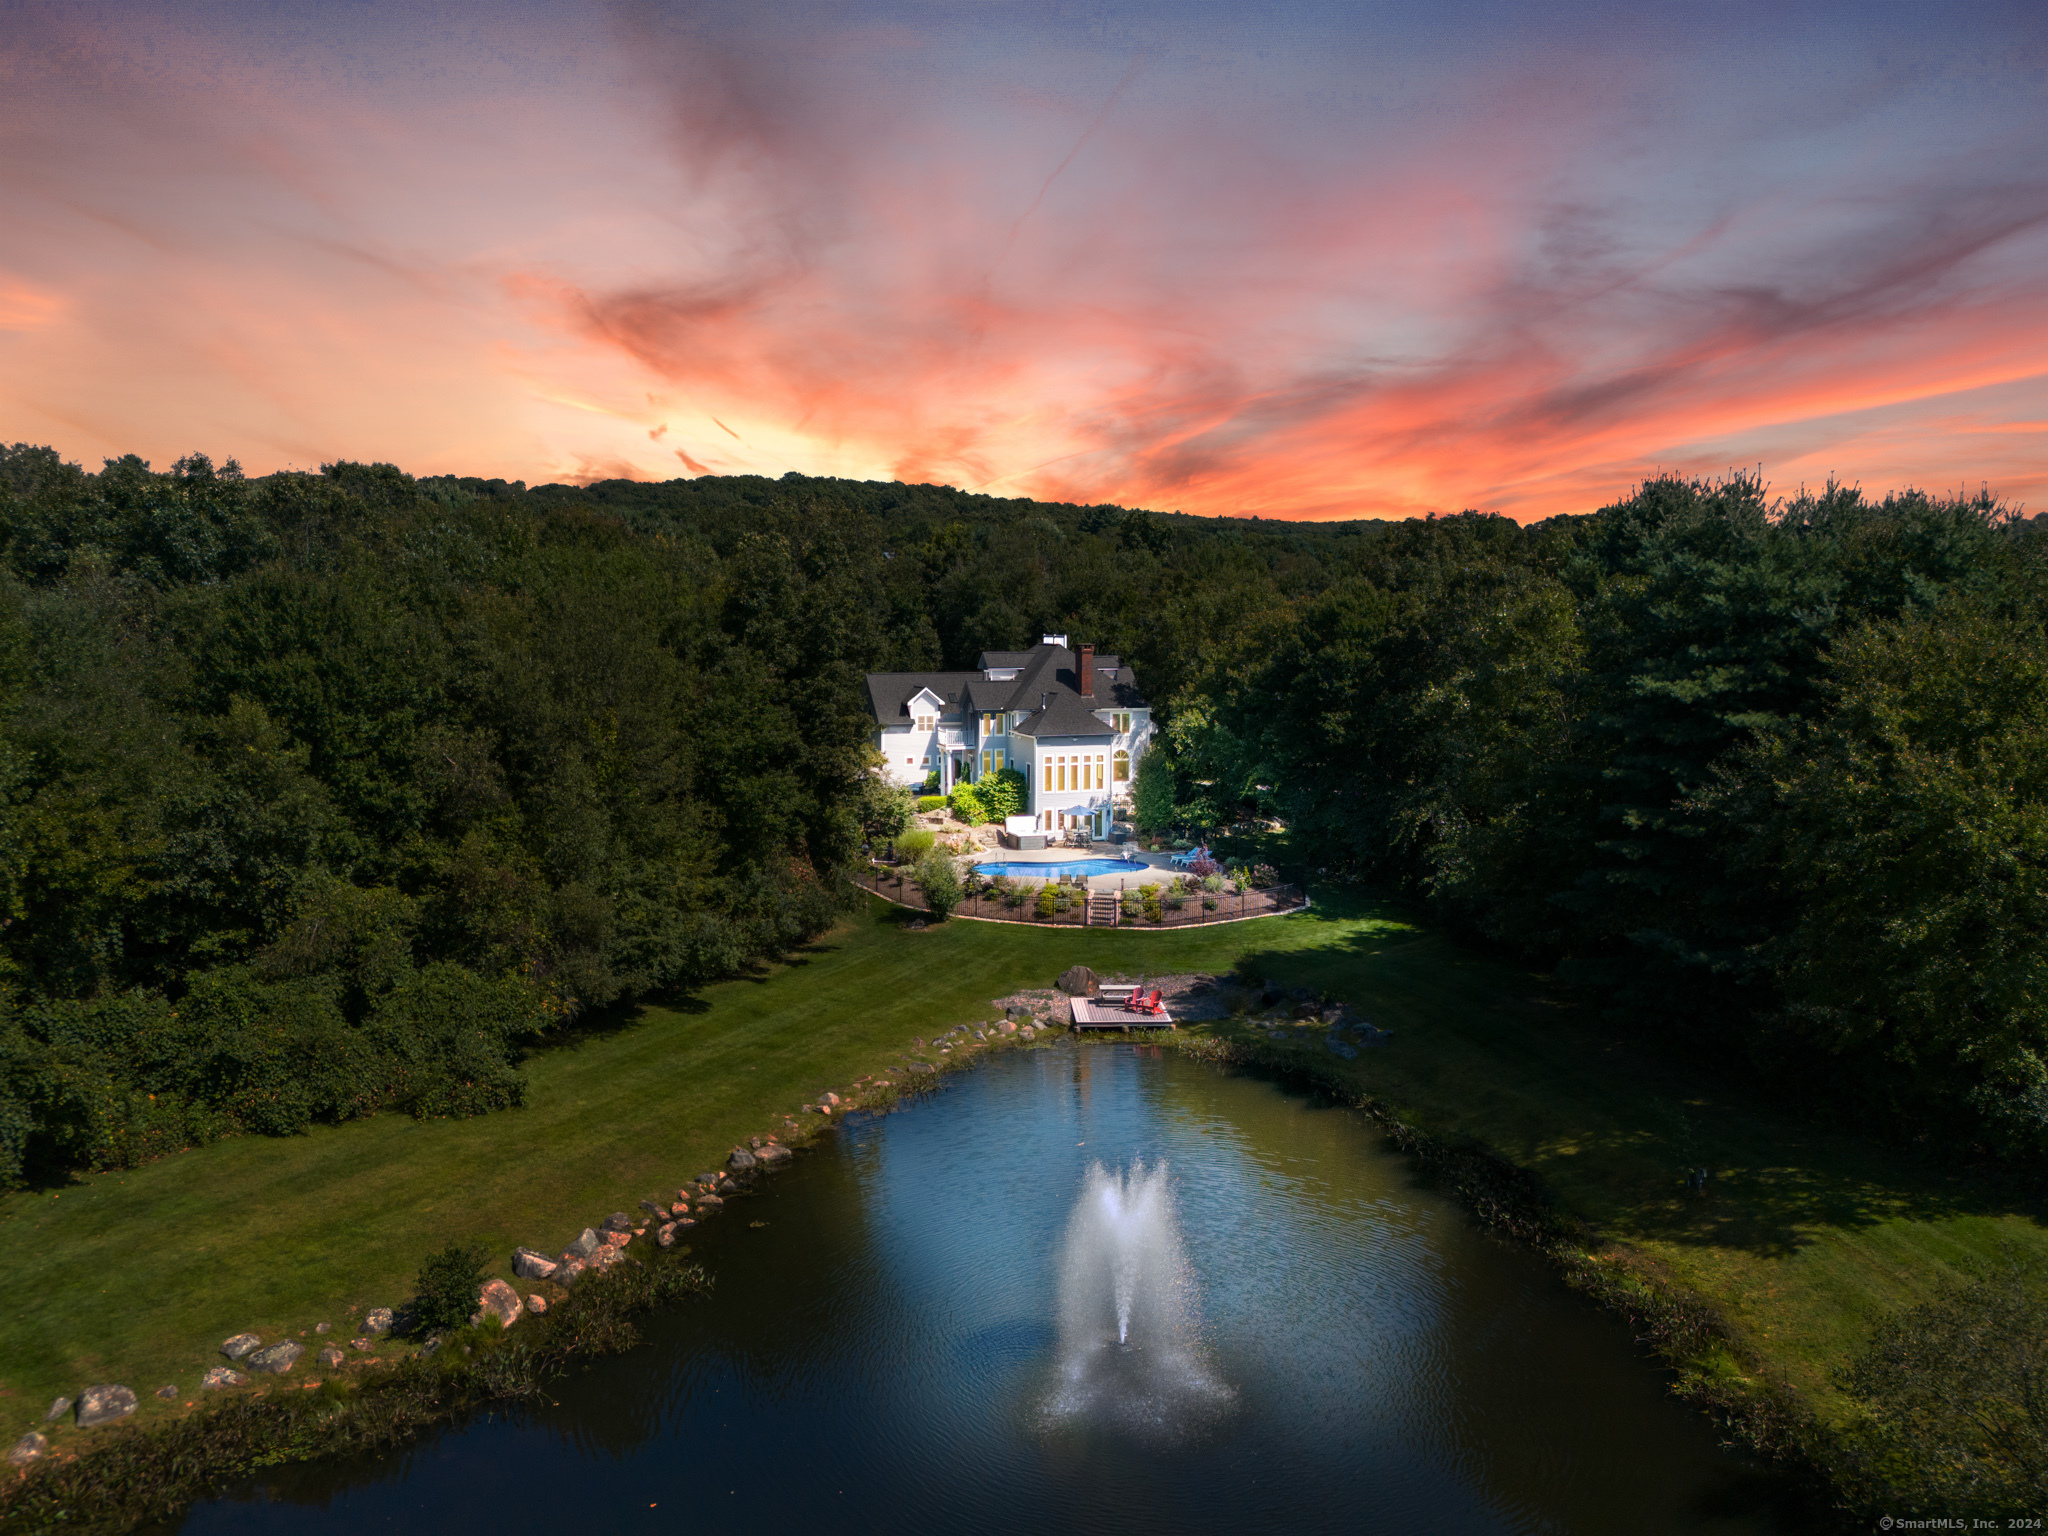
(926, 722)
(1122, 722)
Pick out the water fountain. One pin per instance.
(1130, 1353)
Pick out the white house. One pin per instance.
(1071, 721)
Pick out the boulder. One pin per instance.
(528, 1265)
(58, 1408)
(710, 1203)
(499, 1300)
(27, 1449)
(707, 1178)
(584, 1246)
(240, 1345)
(742, 1159)
(536, 1305)
(167, 1392)
(323, 1327)
(654, 1210)
(332, 1358)
(1077, 981)
(922, 1066)
(225, 1376)
(618, 1221)
(362, 1344)
(432, 1346)
(1009, 1026)
(377, 1320)
(754, 1142)
(568, 1273)
(104, 1404)
(277, 1359)
(666, 1236)
(771, 1154)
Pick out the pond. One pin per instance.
(1094, 1289)
(1026, 870)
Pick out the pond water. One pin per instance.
(1027, 870)
(923, 1338)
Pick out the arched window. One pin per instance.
(1122, 766)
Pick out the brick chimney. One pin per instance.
(1087, 670)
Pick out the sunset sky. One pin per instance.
(1298, 260)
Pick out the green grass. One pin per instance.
(1806, 1236)
(136, 1276)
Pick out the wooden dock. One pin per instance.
(1096, 1013)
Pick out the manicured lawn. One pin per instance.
(135, 1277)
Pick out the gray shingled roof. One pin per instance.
(890, 693)
(1046, 685)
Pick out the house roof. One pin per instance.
(890, 693)
(1046, 686)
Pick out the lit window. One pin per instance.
(1121, 766)
(1048, 773)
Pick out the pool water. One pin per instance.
(1031, 871)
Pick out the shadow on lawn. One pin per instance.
(1620, 1116)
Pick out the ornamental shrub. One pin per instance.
(1048, 899)
(939, 879)
(450, 1286)
(931, 799)
(1002, 793)
(915, 844)
(965, 803)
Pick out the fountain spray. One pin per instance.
(1130, 1351)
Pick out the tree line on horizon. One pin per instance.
(327, 793)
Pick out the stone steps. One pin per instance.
(1102, 908)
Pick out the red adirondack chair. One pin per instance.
(1149, 1003)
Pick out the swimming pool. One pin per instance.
(1030, 871)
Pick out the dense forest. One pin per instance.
(322, 794)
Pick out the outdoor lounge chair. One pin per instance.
(1149, 1003)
